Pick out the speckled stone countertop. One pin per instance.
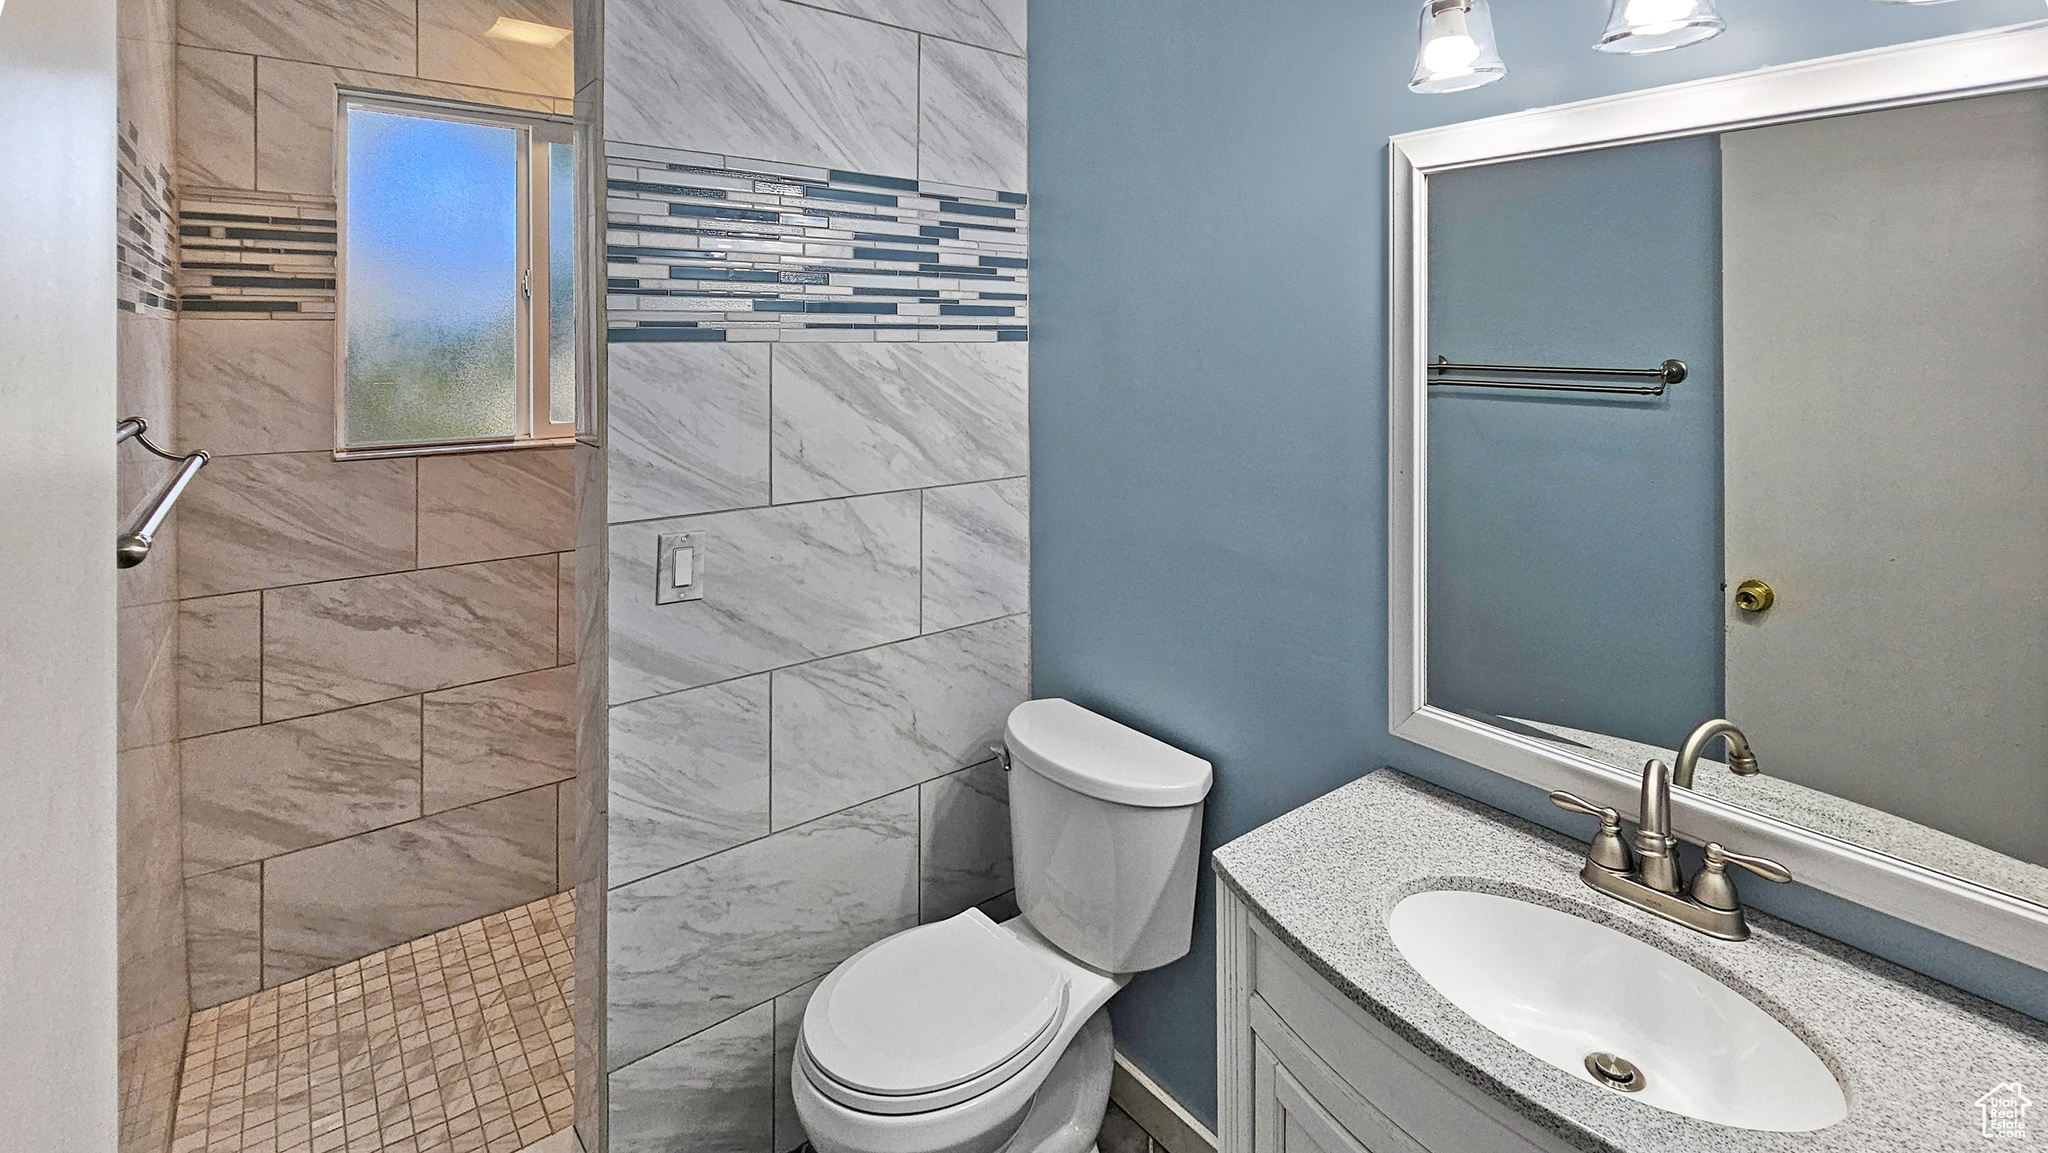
(1913, 1054)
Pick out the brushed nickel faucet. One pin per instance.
(1650, 878)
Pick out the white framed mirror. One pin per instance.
(1845, 254)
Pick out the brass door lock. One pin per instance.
(1754, 596)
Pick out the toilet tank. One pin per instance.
(1105, 833)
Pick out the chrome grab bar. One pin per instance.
(1667, 374)
(131, 548)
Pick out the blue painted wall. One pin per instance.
(1575, 540)
(1209, 395)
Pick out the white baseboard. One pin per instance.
(1156, 1112)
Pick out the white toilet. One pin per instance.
(966, 1036)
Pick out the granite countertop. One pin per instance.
(1912, 1054)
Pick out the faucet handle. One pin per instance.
(1608, 850)
(1716, 890)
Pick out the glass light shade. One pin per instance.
(1879, 1)
(1457, 50)
(1638, 26)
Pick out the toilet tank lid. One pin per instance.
(1097, 757)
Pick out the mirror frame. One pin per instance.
(2005, 59)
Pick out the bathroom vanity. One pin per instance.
(1330, 1040)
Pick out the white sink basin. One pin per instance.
(1563, 988)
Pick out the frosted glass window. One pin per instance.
(561, 284)
(458, 277)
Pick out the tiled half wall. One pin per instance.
(816, 360)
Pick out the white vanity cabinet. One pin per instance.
(1304, 1070)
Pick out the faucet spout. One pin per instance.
(1656, 848)
(1741, 761)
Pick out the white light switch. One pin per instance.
(676, 575)
(683, 570)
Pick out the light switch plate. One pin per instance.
(673, 551)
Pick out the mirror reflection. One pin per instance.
(1832, 530)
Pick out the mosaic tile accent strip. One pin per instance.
(143, 246)
(256, 253)
(702, 247)
(458, 1042)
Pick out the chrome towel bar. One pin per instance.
(1666, 375)
(131, 548)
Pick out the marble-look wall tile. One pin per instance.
(345, 899)
(374, 34)
(224, 934)
(781, 585)
(487, 505)
(454, 47)
(220, 663)
(347, 642)
(867, 723)
(856, 418)
(971, 117)
(977, 552)
(687, 428)
(565, 608)
(997, 24)
(503, 736)
(254, 793)
(789, 1023)
(964, 840)
(216, 118)
(152, 986)
(249, 386)
(762, 78)
(689, 776)
(695, 945)
(250, 522)
(567, 822)
(146, 675)
(143, 352)
(148, 833)
(708, 1093)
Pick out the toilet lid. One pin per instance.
(932, 1007)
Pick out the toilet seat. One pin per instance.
(930, 1017)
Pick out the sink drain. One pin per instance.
(1616, 1073)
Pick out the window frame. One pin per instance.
(536, 132)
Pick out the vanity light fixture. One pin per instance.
(1635, 27)
(1457, 50)
(522, 32)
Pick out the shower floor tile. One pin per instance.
(458, 1042)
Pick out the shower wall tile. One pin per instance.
(689, 776)
(970, 117)
(687, 428)
(856, 726)
(454, 46)
(504, 736)
(977, 552)
(224, 934)
(780, 585)
(146, 674)
(220, 663)
(347, 642)
(339, 901)
(152, 986)
(789, 1022)
(147, 847)
(254, 793)
(697, 944)
(711, 1092)
(964, 840)
(250, 386)
(997, 24)
(565, 608)
(216, 118)
(489, 505)
(859, 418)
(374, 34)
(285, 518)
(762, 78)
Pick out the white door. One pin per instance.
(1885, 313)
(57, 1089)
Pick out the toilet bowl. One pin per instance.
(965, 1036)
